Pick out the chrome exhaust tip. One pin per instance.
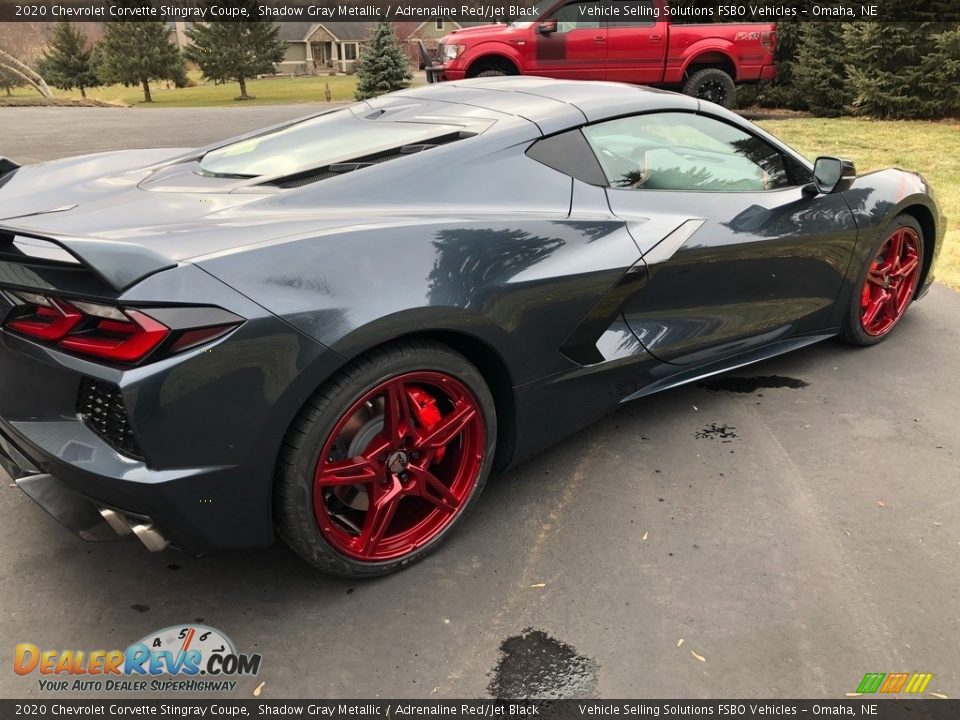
(116, 521)
(146, 532)
(152, 539)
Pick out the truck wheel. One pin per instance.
(490, 73)
(713, 85)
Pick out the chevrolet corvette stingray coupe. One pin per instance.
(332, 330)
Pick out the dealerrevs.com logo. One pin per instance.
(181, 658)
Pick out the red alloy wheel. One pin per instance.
(891, 282)
(399, 466)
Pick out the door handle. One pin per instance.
(599, 39)
(656, 38)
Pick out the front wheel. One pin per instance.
(385, 459)
(888, 283)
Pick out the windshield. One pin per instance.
(332, 138)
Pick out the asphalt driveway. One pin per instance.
(777, 534)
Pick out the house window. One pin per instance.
(439, 25)
(348, 51)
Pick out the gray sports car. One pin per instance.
(335, 328)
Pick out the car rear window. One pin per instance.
(335, 137)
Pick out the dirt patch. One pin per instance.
(723, 433)
(751, 384)
(535, 665)
(55, 102)
(761, 113)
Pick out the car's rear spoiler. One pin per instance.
(118, 264)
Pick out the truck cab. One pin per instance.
(644, 42)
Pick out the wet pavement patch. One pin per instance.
(140, 608)
(751, 384)
(535, 665)
(724, 433)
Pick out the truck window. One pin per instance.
(578, 15)
(685, 152)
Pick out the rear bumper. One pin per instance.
(86, 496)
(210, 423)
(769, 72)
(73, 510)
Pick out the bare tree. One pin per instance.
(9, 63)
(20, 43)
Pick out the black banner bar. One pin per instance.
(872, 709)
(475, 10)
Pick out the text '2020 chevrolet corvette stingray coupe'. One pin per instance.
(334, 329)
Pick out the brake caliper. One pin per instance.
(427, 414)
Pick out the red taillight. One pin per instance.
(121, 335)
(50, 320)
(122, 341)
(769, 41)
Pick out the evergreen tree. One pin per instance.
(134, 53)
(941, 73)
(782, 92)
(383, 66)
(819, 74)
(66, 63)
(887, 69)
(236, 50)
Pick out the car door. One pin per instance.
(636, 43)
(577, 48)
(753, 257)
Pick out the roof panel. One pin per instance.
(548, 114)
(596, 100)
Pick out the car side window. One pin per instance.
(577, 16)
(687, 152)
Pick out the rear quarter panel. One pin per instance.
(738, 44)
(481, 242)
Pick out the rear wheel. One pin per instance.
(385, 459)
(713, 85)
(888, 283)
(490, 73)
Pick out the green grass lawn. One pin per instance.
(932, 148)
(269, 91)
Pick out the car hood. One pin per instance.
(478, 32)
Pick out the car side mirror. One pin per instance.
(829, 172)
(547, 27)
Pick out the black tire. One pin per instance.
(307, 436)
(713, 85)
(852, 330)
(491, 73)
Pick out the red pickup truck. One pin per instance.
(645, 42)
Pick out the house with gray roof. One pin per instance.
(323, 47)
(335, 46)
